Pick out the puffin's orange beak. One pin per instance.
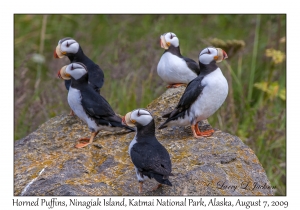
(55, 54)
(58, 73)
(163, 43)
(58, 53)
(62, 74)
(124, 121)
(224, 55)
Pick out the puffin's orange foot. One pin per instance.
(156, 187)
(80, 145)
(198, 134)
(86, 139)
(206, 133)
(71, 113)
(83, 142)
(176, 85)
(204, 129)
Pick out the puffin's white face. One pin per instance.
(140, 116)
(76, 70)
(210, 54)
(168, 39)
(66, 46)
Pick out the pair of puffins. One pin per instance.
(206, 90)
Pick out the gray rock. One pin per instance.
(47, 163)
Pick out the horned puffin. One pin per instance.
(150, 158)
(203, 96)
(89, 105)
(71, 48)
(172, 67)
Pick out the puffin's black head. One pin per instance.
(75, 70)
(211, 55)
(168, 39)
(138, 117)
(66, 46)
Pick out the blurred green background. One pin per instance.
(127, 49)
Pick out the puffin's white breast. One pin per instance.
(173, 69)
(212, 97)
(74, 100)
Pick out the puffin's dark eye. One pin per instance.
(68, 44)
(171, 36)
(208, 51)
(138, 113)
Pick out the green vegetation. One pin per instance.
(127, 49)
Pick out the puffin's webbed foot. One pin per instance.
(198, 134)
(86, 141)
(205, 129)
(83, 142)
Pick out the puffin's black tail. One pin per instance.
(119, 124)
(168, 120)
(159, 178)
(129, 128)
(174, 115)
(163, 125)
(166, 115)
(116, 121)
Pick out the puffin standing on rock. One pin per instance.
(89, 105)
(71, 48)
(150, 158)
(172, 67)
(203, 96)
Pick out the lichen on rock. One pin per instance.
(218, 165)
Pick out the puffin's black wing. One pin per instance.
(193, 65)
(97, 107)
(96, 76)
(151, 159)
(190, 95)
(95, 104)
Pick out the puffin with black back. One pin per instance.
(89, 105)
(71, 48)
(150, 158)
(203, 96)
(172, 67)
